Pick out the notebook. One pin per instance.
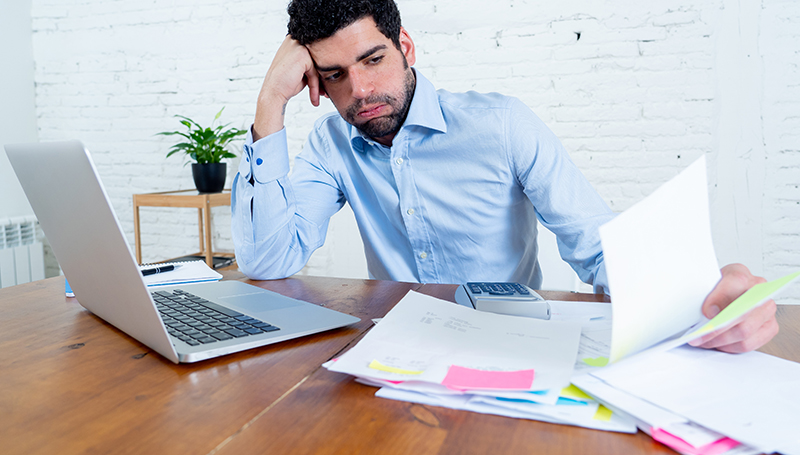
(183, 272)
(65, 192)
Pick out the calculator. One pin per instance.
(504, 298)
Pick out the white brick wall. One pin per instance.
(647, 88)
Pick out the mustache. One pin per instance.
(354, 108)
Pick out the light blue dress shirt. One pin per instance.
(456, 197)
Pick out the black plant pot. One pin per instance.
(209, 177)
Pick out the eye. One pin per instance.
(334, 77)
(376, 59)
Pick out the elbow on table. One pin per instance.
(262, 270)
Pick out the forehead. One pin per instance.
(349, 44)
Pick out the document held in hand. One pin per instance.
(661, 265)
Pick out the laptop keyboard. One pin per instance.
(195, 320)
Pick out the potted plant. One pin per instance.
(206, 146)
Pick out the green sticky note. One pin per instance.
(596, 362)
(747, 301)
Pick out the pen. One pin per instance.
(153, 271)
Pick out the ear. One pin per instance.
(407, 47)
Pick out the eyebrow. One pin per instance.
(366, 54)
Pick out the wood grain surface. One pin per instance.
(71, 383)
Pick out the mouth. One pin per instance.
(372, 112)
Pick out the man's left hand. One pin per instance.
(753, 330)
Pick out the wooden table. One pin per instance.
(203, 202)
(70, 383)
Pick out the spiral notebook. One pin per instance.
(184, 272)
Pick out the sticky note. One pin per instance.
(467, 378)
(714, 448)
(747, 301)
(375, 365)
(574, 393)
(570, 402)
(596, 362)
(603, 414)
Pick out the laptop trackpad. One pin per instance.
(256, 303)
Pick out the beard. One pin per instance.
(389, 124)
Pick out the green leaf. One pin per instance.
(204, 144)
(188, 119)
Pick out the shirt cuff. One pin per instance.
(265, 160)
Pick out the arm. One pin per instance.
(291, 70)
(565, 202)
(754, 330)
(277, 223)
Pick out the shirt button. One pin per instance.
(423, 255)
(399, 161)
(410, 211)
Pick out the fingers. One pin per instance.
(285, 78)
(754, 330)
(736, 279)
(312, 80)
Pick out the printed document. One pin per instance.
(430, 340)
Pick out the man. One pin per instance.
(445, 187)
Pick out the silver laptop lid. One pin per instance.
(66, 195)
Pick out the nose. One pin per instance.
(361, 84)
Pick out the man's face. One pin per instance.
(367, 77)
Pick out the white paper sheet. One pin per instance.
(660, 262)
(564, 310)
(649, 414)
(542, 397)
(791, 449)
(567, 415)
(428, 335)
(751, 397)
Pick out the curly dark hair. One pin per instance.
(313, 20)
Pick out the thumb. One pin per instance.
(736, 279)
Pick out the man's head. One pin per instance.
(362, 56)
(313, 20)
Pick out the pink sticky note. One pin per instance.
(714, 448)
(467, 378)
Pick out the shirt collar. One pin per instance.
(424, 111)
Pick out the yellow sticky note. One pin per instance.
(596, 362)
(375, 365)
(574, 393)
(603, 413)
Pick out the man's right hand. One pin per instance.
(291, 70)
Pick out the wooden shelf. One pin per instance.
(203, 202)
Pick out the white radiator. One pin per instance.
(21, 253)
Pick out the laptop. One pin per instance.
(186, 323)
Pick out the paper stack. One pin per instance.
(632, 370)
(431, 351)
